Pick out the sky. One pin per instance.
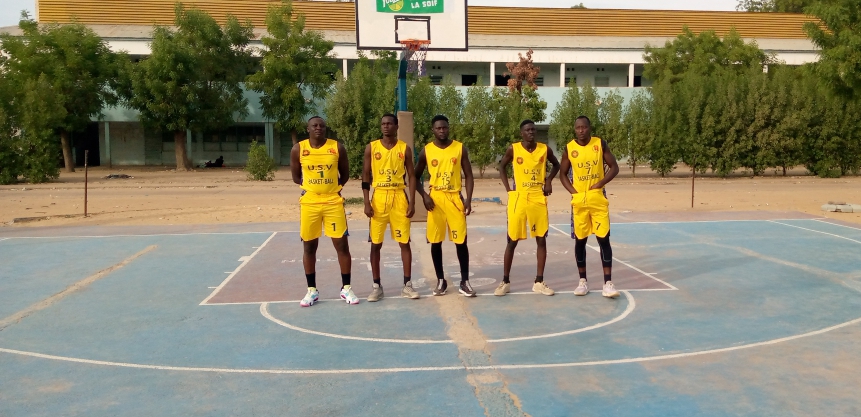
(10, 10)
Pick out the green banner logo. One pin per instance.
(410, 6)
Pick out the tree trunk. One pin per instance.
(634, 169)
(481, 173)
(294, 136)
(179, 139)
(784, 171)
(67, 151)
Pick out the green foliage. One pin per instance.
(355, 105)
(192, 79)
(575, 102)
(80, 70)
(422, 102)
(476, 131)
(839, 41)
(260, 166)
(610, 117)
(450, 103)
(704, 54)
(296, 66)
(780, 6)
(638, 123)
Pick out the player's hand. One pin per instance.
(467, 207)
(411, 210)
(428, 202)
(369, 211)
(597, 186)
(548, 187)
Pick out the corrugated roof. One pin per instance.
(323, 15)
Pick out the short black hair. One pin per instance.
(438, 118)
(315, 117)
(583, 117)
(526, 122)
(392, 116)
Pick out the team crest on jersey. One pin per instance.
(541, 160)
(400, 155)
(332, 151)
(454, 161)
(378, 156)
(595, 148)
(306, 152)
(519, 160)
(434, 163)
(574, 154)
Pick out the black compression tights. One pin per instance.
(462, 257)
(606, 251)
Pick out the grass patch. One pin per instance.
(352, 201)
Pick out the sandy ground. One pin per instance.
(158, 195)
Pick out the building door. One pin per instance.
(87, 140)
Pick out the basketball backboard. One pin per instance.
(383, 24)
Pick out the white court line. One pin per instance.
(433, 368)
(652, 276)
(697, 221)
(837, 224)
(817, 231)
(264, 310)
(238, 268)
(156, 234)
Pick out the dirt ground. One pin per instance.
(159, 195)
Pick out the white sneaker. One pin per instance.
(348, 296)
(583, 288)
(311, 298)
(542, 288)
(610, 290)
(376, 293)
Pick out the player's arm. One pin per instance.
(554, 169)
(503, 163)
(470, 181)
(366, 181)
(564, 167)
(419, 171)
(411, 182)
(610, 159)
(295, 166)
(343, 165)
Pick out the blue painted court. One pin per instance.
(721, 314)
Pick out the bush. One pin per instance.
(260, 166)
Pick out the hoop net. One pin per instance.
(415, 52)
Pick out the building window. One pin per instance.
(569, 80)
(234, 138)
(436, 79)
(602, 81)
(502, 80)
(539, 81)
(638, 81)
(468, 79)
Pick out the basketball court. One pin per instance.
(721, 314)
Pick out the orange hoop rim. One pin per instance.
(414, 44)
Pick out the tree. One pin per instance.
(355, 105)
(578, 6)
(523, 72)
(702, 53)
(838, 36)
(77, 64)
(477, 135)
(296, 70)
(779, 6)
(638, 123)
(610, 116)
(192, 79)
(575, 102)
(422, 102)
(450, 103)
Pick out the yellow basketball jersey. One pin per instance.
(444, 166)
(530, 168)
(387, 165)
(587, 163)
(319, 167)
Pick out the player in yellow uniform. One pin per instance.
(445, 159)
(321, 167)
(527, 203)
(389, 162)
(590, 213)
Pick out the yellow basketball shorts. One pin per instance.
(527, 210)
(319, 213)
(590, 214)
(446, 214)
(390, 208)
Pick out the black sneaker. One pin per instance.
(466, 289)
(441, 286)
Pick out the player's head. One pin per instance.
(389, 125)
(316, 128)
(527, 130)
(440, 127)
(583, 128)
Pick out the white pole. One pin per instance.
(630, 75)
(562, 75)
(344, 70)
(493, 74)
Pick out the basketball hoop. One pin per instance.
(415, 52)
